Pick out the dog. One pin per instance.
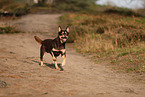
(55, 46)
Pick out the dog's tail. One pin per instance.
(38, 39)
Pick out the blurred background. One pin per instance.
(21, 7)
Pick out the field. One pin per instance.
(117, 39)
(105, 52)
(20, 69)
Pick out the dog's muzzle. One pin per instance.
(64, 39)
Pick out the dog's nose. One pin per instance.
(64, 35)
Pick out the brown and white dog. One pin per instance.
(55, 46)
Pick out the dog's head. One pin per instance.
(63, 34)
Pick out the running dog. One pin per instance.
(55, 46)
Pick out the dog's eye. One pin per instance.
(60, 33)
(63, 33)
(66, 33)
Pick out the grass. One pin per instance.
(111, 38)
(8, 30)
(130, 59)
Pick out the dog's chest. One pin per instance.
(57, 52)
(58, 49)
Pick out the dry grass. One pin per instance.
(112, 37)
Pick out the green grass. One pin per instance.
(111, 38)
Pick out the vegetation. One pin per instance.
(8, 10)
(74, 5)
(11, 7)
(113, 38)
(8, 30)
(65, 6)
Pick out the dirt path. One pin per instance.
(19, 68)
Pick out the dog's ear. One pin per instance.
(67, 28)
(59, 28)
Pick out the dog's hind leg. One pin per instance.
(42, 50)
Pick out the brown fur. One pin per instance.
(38, 39)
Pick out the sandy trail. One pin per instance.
(20, 69)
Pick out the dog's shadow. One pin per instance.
(52, 66)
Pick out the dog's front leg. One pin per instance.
(64, 56)
(64, 60)
(56, 66)
(55, 62)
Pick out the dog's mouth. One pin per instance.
(64, 39)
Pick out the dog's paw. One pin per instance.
(63, 63)
(57, 68)
(42, 65)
